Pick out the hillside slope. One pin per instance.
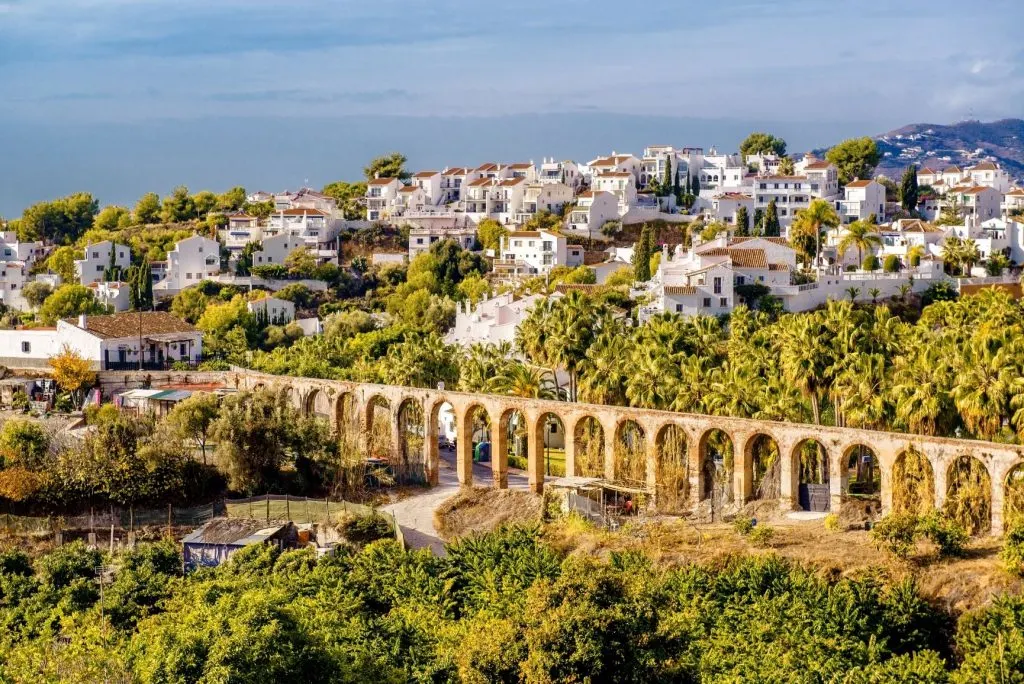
(963, 144)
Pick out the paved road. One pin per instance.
(415, 514)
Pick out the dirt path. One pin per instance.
(415, 514)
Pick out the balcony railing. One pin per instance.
(152, 365)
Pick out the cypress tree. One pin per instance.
(909, 190)
(675, 183)
(689, 184)
(696, 186)
(758, 222)
(742, 222)
(771, 221)
(642, 256)
(145, 285)
(132, 278)
(666, 179)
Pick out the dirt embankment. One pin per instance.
(482, 509)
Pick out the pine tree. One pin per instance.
(908, 190)
(771, 221)
(742, 222)
(642, 255)
(758, 228)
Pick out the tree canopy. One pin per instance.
(762, 143)
(854, 158)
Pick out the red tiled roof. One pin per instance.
(300, 212)
(424, 174)
(859, 183)
(129, 324)
(818, 165)
(680, 290)
(381, 181)
(984, 166)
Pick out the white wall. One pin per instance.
(42, 344)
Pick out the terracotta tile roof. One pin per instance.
(300, 211)
(772, 239)
(509, 182)
(489, 166)
(409, 188)
(976, 190)
(520, 166)
(611, 161)
(984, 166)
(778, 267)
(818, 165)
(748, 258)
(424, 174)
(242, 216)
(578, 287)
(457, 171)
(381, 181)
(479, 182)
(783, 178)
(918, 226)
(680, 290)
(951, 169)
(1016, 192)
(926, 172)
(614, 174)
(859, 183)
(525, 234)
(127, 324)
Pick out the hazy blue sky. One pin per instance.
(123, 96)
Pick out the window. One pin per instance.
(707, 302)
(188, 276)
(99, 268)
(26, 347)
(95, 255)
(200, 250)
(679, 308)
(723, 302)
(419, 241)
(718, 285)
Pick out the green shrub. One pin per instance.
(896, 533)
(1012, 553)
(870, 263)
(891, 264)
(743, 525)
(944, 532)
(367, 528)
(762, 535)
(832, 523)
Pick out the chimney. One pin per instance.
(83, 322)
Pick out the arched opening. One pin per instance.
(589, 447)
(913, 483)
(554, 444)
(443, 432)
(765, 467)
(717, 460)
(969, 494)
(673, 472)
(289, 397)
(318, 405)
(378, 427)
(811, 461)
(1013, 497)
(515, 433)
(411, 461)
(344, 415)
(862, 472)
(478, 429)
(630, 454)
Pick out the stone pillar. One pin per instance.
(998, 501)
(886, 460)
(788, 477)
(693, 457)
(651, 463)
(397, 437)
(742, 467)
(431, 451)
(464, 446)
(939, 472)
(499, 453)
(836, 482)
(535, 453)
(570, 447)
(609, 451)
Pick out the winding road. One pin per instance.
(415, 514)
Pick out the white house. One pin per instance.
(979, 201)
(616, 163)
(192, 261)
(453, 180)
(538, 197)
(381, 194)
(724, 205)
(566, 172)
(273, 310)
(305, 198)
(113, 294)
(621, 184)
(492, 321)
(593, 209)
(989, 174)
(430, 183)
(815, 179)
(530, 253)
(97, 259)
(274, 250)
(240, 231)
(905, 234)
(861, 199)
(1013, 201)
(420, 239)
(110, 342)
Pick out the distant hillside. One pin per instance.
(963, 144)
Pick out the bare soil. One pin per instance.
(482, 509)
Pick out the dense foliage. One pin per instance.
(503, 607)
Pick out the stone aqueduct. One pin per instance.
(351, 406)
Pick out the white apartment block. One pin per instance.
(538, 197)
(453, 181)
(978, 201)
(815, 179)
(273, 310)
(903, 235)
(317, 229)
(381, 194)
(654, 162)
(1013, 201)
(429, 182)
(720, 171)
(532, 253)
(16, 260)
(112, 294)
(724, 206)
(616, 163)
(97, 259)
(861, 199)
(593, 209)
(420, 239)
(492, 321)
(565, 172)
(990, 175)
(499, 198)
(621, 184)
(985, 174)
(192, 261)
(240, 231)
(524, 170)
(305, 198)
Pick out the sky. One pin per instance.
(119, 97)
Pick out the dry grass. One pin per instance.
(958, 584)
(482, 509)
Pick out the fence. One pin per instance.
(301, 509)
(121, 519)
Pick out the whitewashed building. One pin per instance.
(420, 239)
(113, 294)
(381, 194)
(192, 261)
(532, 253)
(593, 209)
(275, 249)
(273, 310)
(97, 259)
(861, 199)
(492, 321)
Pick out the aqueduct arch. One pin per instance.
(592, 431)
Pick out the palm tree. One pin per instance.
(984, 383)
(809, 223)
(786, 167)
(904, 289)
(970, 255)
(520, 380)
(804, 349)
(852, 293)
(861, 236)
(997, 264)
(953, 251)
(874, 292)
(921, 391)
(914, 255)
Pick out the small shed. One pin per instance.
(597, 499)
(214, 542)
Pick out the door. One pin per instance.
(815, 497)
